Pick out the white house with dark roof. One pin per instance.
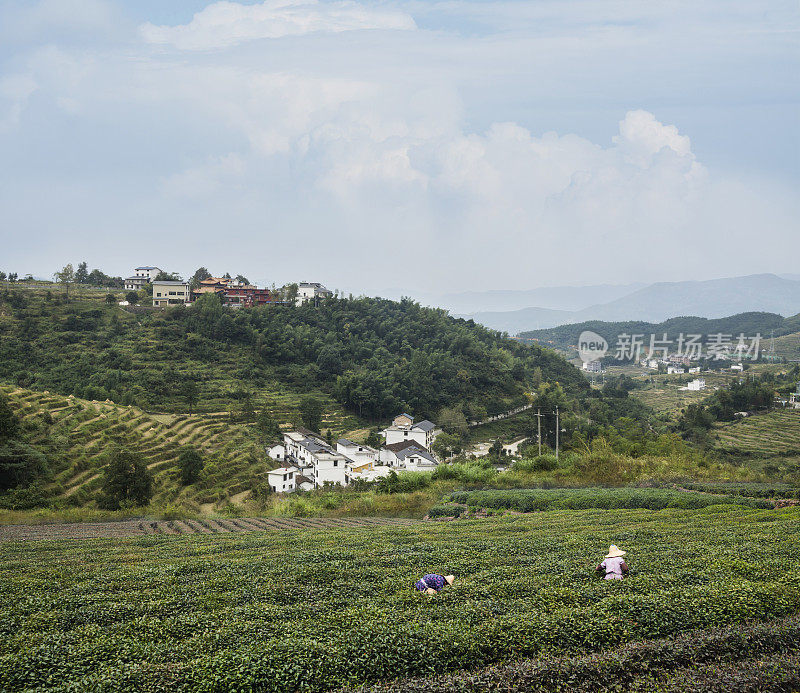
(403, 429)
(317, 460)
(141, 276)
(311, 291)
(283, 479)
(359, 453)
(409, 455)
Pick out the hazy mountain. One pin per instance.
(657, 302)
(554, 298)
(514, 321)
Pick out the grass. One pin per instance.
(314, 610)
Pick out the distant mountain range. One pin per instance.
(653, 303)
(565, 337)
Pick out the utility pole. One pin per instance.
(557, 427)
(539, 429)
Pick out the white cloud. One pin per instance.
(346, 143)
(228, 23)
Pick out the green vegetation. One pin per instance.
(75, 436)
(313, 610)
(374, 357)
(749, 490)
(532, 500)
(565, 337)
(772, 434)
(752, 657)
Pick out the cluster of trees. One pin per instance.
(754, 395)
(20, 463)
(374, 356)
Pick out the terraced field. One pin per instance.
(79, 432)
(134, 528)
(775, 433)
(668, 400)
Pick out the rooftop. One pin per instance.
(164, 282)
(147, 268)
(425, 426)
(397, 447)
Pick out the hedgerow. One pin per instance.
(315, 610)
(751, 490)
(530, 500)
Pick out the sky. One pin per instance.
(402, 146)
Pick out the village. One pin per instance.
(309, 462)
(233, 293)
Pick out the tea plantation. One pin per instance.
(319, 610)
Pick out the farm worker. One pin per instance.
(433, 583)
(614, 565)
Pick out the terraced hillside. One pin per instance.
(772, 434)
(77, 433)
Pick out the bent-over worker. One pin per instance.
(433, 583)
(614, 565)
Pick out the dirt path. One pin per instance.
(137, 528)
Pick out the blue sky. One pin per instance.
(436, 146)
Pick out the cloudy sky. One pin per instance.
(415, 145)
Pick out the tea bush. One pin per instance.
(315, 610)
(530, 500)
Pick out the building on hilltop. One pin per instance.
(311, 291)
(141, 277)
(168, 293)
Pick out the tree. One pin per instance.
(496, 450)
(190, 392)
(3, 276)
(190, 463)
(446, 445)
(65, 276)
(9, 423)
(227, 275)
(111, 299)
(82, 274)
(126, 480)
(311, 410)
(168, 277)
(241, 279)
(290, 292)
(330, 361)
(12, 276)
(452, 420)
(132, 297)
(266, 427)
(201, 274)
(20, 464)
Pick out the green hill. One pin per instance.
(565, 337)
(370, 357)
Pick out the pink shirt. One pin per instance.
(613, 568)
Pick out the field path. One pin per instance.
(139, 528)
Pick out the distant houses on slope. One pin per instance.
(233, 294)
(309, 462)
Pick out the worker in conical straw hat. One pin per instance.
(614, 565)
(433, 583)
